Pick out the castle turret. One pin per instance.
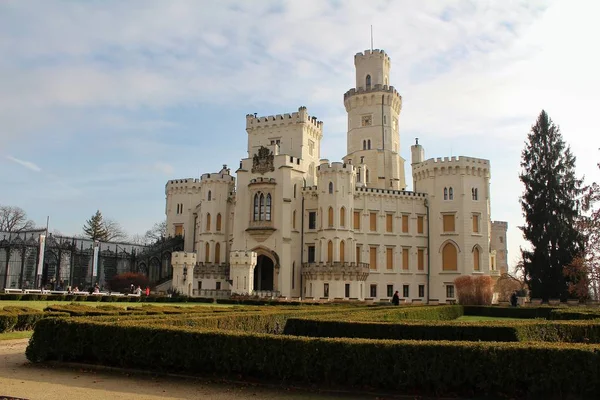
(373, 130)
(183, 272)
(417, 157)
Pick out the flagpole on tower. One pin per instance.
(371, 37)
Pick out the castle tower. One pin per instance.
(183, 272)
(498, 243)
(373, 122)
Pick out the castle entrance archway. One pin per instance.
(264, 273)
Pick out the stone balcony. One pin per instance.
(211, 271)
(261, 230)
(347, 271)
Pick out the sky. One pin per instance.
(102, 102)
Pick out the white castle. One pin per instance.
(295, 225)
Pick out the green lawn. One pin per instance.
(40, 305)
(15, 335)
(478, 318)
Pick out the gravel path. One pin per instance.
(19, 378)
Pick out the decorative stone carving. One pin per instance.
(263, 161)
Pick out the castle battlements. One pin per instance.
(391, 192)
(270, 121)
(217, 177)
(374, 88)
(471, 165)
(368, 54)
(182, 257)
(242, 258)
(337, 166)
(183, 186)
(500, 225)
(262, 180)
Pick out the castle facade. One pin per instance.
(293, 224)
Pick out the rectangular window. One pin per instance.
(420, 224)
(405, 259)
(311, 147)
(358, 254)
(373, 221)
(389, 255)
(357, 220)
(178, 230)
(448, 222)
(421, 259)
(389, 223)
(373, 291)
(421, 290)
(347, 290)
(312, 220)
(373, 257)
(218, 285)
(405, 292)
(326, 290)
(405, 224)
(390, 290)
(311, 254)
(450, 291)
(475, 223)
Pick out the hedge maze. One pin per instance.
(548, 352)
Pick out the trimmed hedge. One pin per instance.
(509, 312)
(23, 321)
(443, 368)
(574, 314)
(496, 331)
(393, 314)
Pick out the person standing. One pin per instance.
(396, 299)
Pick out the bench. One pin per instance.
(13, 291)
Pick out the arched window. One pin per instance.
(207, 222)
(294, 190)
(320, 218)
(451, 194)
(218, 253)
(261, 206)
(384, 120)
(445, 193)
(268, 208)
(209, 195)
(256, 209)
(358, 175)
(369, 144)
(330, 251)
(474, 193)
(330, 217)
(367, 173)
(342, 217)
(449, 258)
(476, 259)
(364, 144)
(294, 219)
(330, 187)
(368, 81)
(206, 252)
(342, 251)
(219, 222)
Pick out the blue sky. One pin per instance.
(101, 102)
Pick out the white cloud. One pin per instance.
(26, 164)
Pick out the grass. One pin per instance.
(16, 335)
(481, 318)
(40, 305)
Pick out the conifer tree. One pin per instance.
(95, 228)
(550, 207)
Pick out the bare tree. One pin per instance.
(14, 219)
(157, 232)
(115, 232)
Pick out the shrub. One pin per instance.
(431, 367)
(474, 290)
(506, 286)
(508, 312)
(574, 314)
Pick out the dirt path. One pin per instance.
(19, 378)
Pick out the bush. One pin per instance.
(574, 314)
(508, 312)
(11, 296)
(392, 314)
(474, 290)
(441, 368)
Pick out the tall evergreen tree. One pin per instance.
(550, 207)
(95, 228)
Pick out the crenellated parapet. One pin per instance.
(350, 271)
(368, 55)
(391, 193)
(361, 97)
(335, 167)
(452, 165)
(217, 178)
(178, 186)
(181, 258)
(239, 258)
(315, 127)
